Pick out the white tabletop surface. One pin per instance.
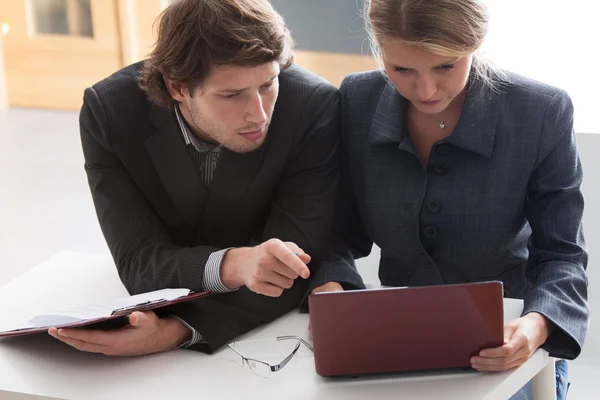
(38, 366)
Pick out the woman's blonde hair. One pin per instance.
(454, 28)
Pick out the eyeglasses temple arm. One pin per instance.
(275, 368)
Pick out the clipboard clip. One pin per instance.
(137, 307)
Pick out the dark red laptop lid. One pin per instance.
(404, 329)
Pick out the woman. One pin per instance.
(462, 173)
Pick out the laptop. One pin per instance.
(404, 329)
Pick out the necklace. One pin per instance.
(442, 124)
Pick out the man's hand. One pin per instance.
(267, 269)
(328, 287)
(522, 337)
(145, 334)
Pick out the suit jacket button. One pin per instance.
(434, 206)
(440, 169)
(443, 149)
(430, 231)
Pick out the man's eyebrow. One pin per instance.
(241, 90)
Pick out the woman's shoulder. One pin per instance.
(361, 92)
(535, 111)
(517, 87)
(364, 83)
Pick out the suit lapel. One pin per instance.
(476, 129)
(388, 121)
(180, 176)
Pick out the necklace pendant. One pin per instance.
(442, 125)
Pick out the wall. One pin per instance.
(589, 148)
(329, 36)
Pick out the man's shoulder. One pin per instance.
(114, 105)
(120, 88)
(302, 84)
(303, 96)
(123, 79)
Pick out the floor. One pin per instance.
(45, 204)
(45, 207)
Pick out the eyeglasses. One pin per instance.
(248, 352)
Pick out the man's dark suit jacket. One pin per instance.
(161, 224)
(500, 199)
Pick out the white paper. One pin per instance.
(15, 326)
(95, 311)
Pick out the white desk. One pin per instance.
(40, 367)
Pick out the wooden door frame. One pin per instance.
(3, 90)
(136, 25)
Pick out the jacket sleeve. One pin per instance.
(348, 239)
(557, 250)
(303, 207)
(145, 256)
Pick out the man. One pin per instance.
(212, 166)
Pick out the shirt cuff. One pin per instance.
(196, 336)
(212, 273)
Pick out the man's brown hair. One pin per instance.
(196, 35)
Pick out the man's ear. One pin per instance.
(177, 90)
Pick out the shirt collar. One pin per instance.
(189, 137)
(475, 131)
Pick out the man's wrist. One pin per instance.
(175, 332)
(230, 276)
(212, 273)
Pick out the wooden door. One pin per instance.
(54, 49)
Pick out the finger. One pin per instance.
(506, 350)
(269, 290)
(283, 270)
(501, 361)
(277, 279)
(517, 341)
(135, 319)
(286, 271)
(305, 258)
(510, 329)
(299, 252)
(81, 345)
(499, 367)
(109, 338)
(294, 247)
(139, 319)
(104, 338)
(284, 254)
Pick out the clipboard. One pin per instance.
(108, 315)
